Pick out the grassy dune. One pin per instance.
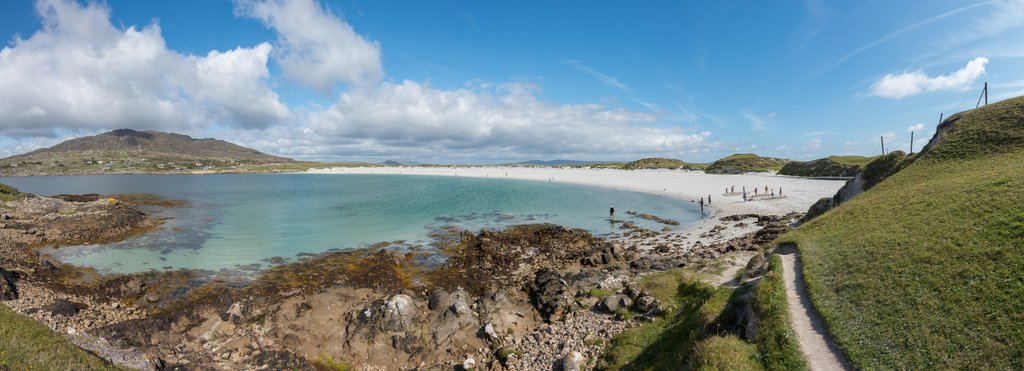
(852, 160)
(745, 162)
(926, 269)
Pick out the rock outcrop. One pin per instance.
(873, 173)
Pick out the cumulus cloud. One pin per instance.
(316, 48)
(508, 119)
(81, 75)
(80, 71)
(899, 86)
(915, 127)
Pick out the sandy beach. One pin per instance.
(798, 194)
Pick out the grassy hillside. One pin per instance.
(852, 160)
(745, 162)
(28, 345)
(926, 269)
(660, 163)
(831, 166)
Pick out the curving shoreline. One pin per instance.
(685, 185)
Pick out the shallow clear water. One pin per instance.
(241, 221)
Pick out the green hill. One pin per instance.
(925, 270)
(851, 160)
(744, 163)
(831, 166)
(660, 163)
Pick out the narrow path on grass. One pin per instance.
(819, 349)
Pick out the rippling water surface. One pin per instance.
(242, 221)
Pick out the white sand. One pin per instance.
(798, 193)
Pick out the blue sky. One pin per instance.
(484, 82)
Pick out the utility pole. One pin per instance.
(911, 143)
(984, 94)
(882, 138)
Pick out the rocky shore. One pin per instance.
(520, 299)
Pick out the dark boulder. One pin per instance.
(549, 294)
(7, 289)
(62, 307)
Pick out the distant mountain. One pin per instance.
(132, 151)
(123, 143)
(560, 162)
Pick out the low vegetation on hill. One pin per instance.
(851, 160)
(661, 163)
(926, 269)
(130, 151)
(832, 166)
(744, 163)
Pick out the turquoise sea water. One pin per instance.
(237, 222)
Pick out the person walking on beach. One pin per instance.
(709, 200)
(702, 206)
(744, 196)
(733, 189)
(780, 191)
(611, 212)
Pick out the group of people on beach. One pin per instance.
(728, 191)
(746, 197)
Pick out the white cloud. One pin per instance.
(508, 120)
(600, 76)
(758, 122)
(813, 144)
(899, 86)
(80, 71)
(80, 75)
(1006, 15)
(916, 127)
(316, 47)
(912, 27)
(780, 148)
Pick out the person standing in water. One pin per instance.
(611, 212)
(702, 206)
